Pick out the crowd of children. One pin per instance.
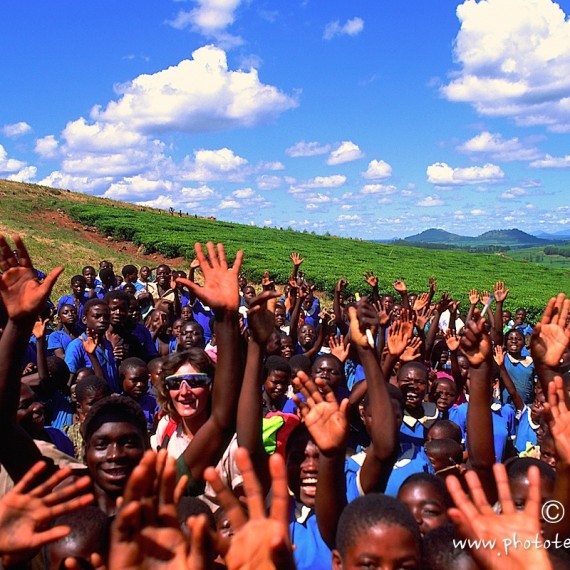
(149, 421)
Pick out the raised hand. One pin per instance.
(484, 297)
(371, 279)
(558, 418)
(23, 295)
(261, 541)
(340, 285)
(326, 421)
(444, 303)
(423, 316)
(499, 355)
(267, 283)
(338, 348)
(476, 520)
(261, 316)
(421, 301)
(39, 330)
(383, 316)
(89, 344)
(475, 343)
(363, 318)
(451, 340)
(220, 289)
(400, 286)
(195, 263)
(412, 350)
(27, 510)
(399, 334)
(551, 336)
(146, 533)
(432, 285)
(474, 296)
(296, 259)
(500, 292)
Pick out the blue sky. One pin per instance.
(363, 119)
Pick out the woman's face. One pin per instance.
(189, 402)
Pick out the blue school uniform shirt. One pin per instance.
(526, 431)
(412, 459)
(312, 314)
(503, 425)
(202, 314)
(144, 336)
(58, 339)
(76, 358)
(59, 410)
(311, 551)
(291, 408)
(522, 374)
(61, 441)
(413, 430)
(354, 373)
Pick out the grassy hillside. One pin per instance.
(32, 210)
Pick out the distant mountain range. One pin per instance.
(513, 238)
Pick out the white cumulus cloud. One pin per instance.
(208, 165)
(197, 95)
(378, 189)
(442, 174)
(16, 129)
(495, 147)
(351, 27)
(377, 169)
(26, 174)
(47, 147)
(347, 151)
(514, 59)
(513, 193)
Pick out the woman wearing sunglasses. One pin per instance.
(201, 409)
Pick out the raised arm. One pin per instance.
(338, 307)
(328, 425)
(507, 381)
(23, 297)
(297, 261)
(220, 292)
(384, 432)
(372, 280)
(500, 294)
(261, 320)
(400, 286)
(476, 346)
(549, 340)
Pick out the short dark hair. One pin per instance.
(276, 363)
(114, 409)
(92, 303)
(437, 483)
(91, 385)
(131, 363)
(414, 366)
(76, 278)
(117, 295)
(128, 270)
(519, 466)
(452, 430)
(366, 512)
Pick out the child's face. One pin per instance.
(248, 294)
(176, 327)
(520, 317)
(329, 370)
(119, 311)
(287, 347)
(276, 384)
(30, 412)
(425, 504)
(97, 318)
(135, 382)
(68, 315)
(514, 343)
(89, 275)
(386, 547)
(537, 406)
(438, 460)
(78, 287)
(520, 487)
(303, 470)
(279, 316)
(548, 452)
(413, 383)
(191, 336)
(445, 394)
(307, 336)
(86, 404)
(186, 313)
(163, 275)
(145, 273)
